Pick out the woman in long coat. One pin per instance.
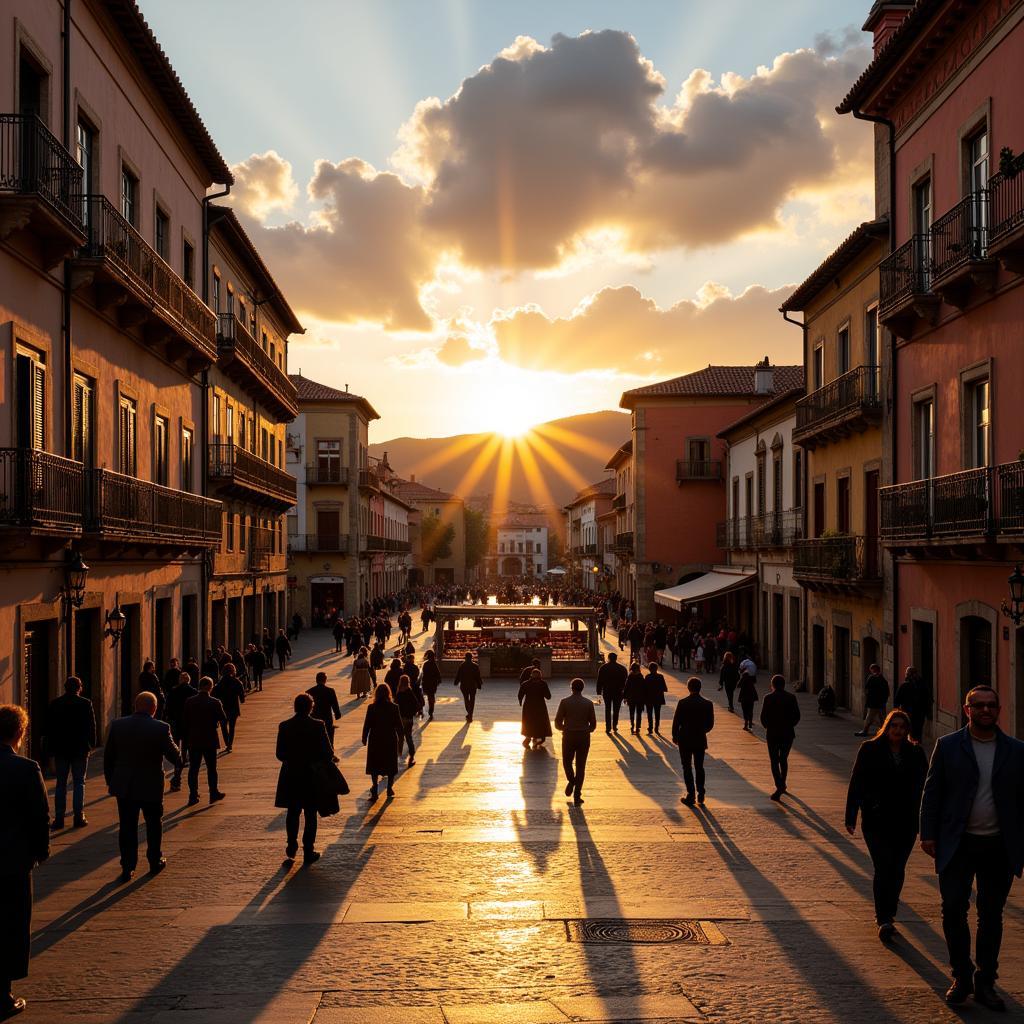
(747, 694)
(363, 675)
(728, 677)
(382, 734)
(655, 689)
(634, 697)
(430, 679)
(533, 697)
(394, 674)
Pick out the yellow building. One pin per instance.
(430, 567)
(839, 563)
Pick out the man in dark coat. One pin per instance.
(24, 843)
(70, 735)
(636, 639)
(301, 743)
(468, 680)
(780, 713)
(170, 679)
(283, 649)
(576, 719)
(693, 720)
(257, 662)
(231, 693)
(611, 685)
(876, 698)
(133, 767)
(175, 711)
(325, 704)
(972, 823)
(200, 718)
(914, 696)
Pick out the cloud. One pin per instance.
(620, 329)
(263, 184)
(457, 351)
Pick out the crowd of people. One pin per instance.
(965, 806)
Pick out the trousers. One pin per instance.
(612, 706)
(778, 756)
(693, 765)
(76, 767)
(291, 827)
(128, 830)
(196, 755)
(890, 852)
(575, 750)
(469, 699)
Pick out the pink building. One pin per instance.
(944, 90)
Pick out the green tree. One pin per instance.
(436, 539)
(477, 528)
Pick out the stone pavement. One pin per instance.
(460, 901)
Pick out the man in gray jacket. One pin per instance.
(576, 720)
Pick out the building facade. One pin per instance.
(105, 339)
(839, 561)
(583, 545)
(430, 565)
(944, 83)
(520, 547)
(621, 464)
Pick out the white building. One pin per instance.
(521, 547)
(583, 533)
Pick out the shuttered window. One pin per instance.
(82, 412)
(187, 447)
(126, 436)
(161, 447)
(31, 401)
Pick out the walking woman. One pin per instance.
(728, 677)
(430, 679)
(382, 736)
(634, 695)
(655, 689)
(363, 675)
(533, 697)
(747, 694)
(885, 787)
(394, 674)
(410, 704)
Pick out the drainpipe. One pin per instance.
(66, 291)
(893, 376)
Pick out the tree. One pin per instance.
(435, 539)
(476, 537)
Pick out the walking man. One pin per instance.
(231, 694)
(283, 649)
(576, 719)
(133, 767)
(611, 685)
(780, 713)
(325, 704)
(24, 816)
(257, 662)
(70, 735)
(201, 716)
(972, 824)
(468, 680)
(693, 720)
(876, 698)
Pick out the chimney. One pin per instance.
(764, 378)
(412, 478)
(885, 17)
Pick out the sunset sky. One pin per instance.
(494, 214)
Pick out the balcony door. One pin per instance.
(126, 434)
(871, 353)
(978, 169)
(328, 528)
(30, 402)
(328, 461)
(843, 505)
(871, 569)
(924, 439)
(82, 424)
(819, 508)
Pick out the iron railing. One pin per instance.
(234, 338)
(395, 545)
(121, 506)
(624, 542)
(113, 239)
(33, 162)
(40, 491)
(374, 542)
(845, 559)
(228, 461)
(369, 478)
(313, 543)
(855, 391)
(1006, 200)
(589, 549)
(1010, 491)
(619, 501)
(960, 236)
(769, 530)
(955, 505)
(698, 469)
(906, 272)
(326, 473)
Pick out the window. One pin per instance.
(977, 160)
(871, 355)
(843, 505)
(798, 477)
(162, 234)
(818, 366)
(977, 396)
(229, 425)
(843, 350)
(216, 293)
(129, 197)
(85, 154)
(127, 417)
(241, 312)
(82, 413)
(761, 497)
(263, 341)
(243, 529)
(216, 419)
(30, 406)
(328, 461)
(229, 541)
(922, 212)
(229, 306)
(264, 444)
(241, 428)
(188, 441)
(777, 500)
(161, 432)
(33, 87)
(924, 438)
(252, 434)
(188, 263)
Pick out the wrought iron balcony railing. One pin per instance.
(1006, 204)
(946, 508)
(906, 273)
(369, 479)
(232, 466)
(318, 543)
(770, 530)
(850, 401)
(394, 545)
(326, 473)
(844, 560)
(237, 346)
(698, 469)
(619, 502)
(40, 491)
(961, 235)
(624, 542)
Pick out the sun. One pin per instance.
(513, 411)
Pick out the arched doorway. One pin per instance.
(511, 567)
(975, 653)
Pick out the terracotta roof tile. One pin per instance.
(715, 382)
(413, 490)
(313, 391)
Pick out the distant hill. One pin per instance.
(568, 454)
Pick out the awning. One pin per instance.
(710, 584)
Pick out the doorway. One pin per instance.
(841, 664)
(88, 640)
(217, 613)
(39, 653)
(794, 638)
(872, 568)
(778, 634)
(129, 657)
(162, 623)
(975, 653)
(817, 657)
(924, 656)
(868, 655)
(189, 608)
(234, 621)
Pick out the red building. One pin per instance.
(677, 469)
(944, 90)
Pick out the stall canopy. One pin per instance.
(710, 584)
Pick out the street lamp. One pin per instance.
(116, 620)
(1015, 609)
(76, 572)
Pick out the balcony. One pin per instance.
(624, 543)
(41, 493)
(770, 530)
(369, 479)
(589, 549)
(240, 474)
(698, 469)
(619, 502)
(130, 280)
(40, 190)
(122, 508)
(837, 563)
(326, 474)
(374, 542)
(242, 358)
(906, 299)
(1006, 216)
(399, 546)
(849, 404)
(960, 261)
(317, 543)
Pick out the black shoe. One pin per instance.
(569, 787)
(886, 931)
(310, 858)
(986, 994)
(57, 824)
(373, 793)
(776, 796)
(391, 793)
(12, 1007)
(214, 797)
(193, 799)
(958, 992)
(608, 731)
(700, 798)
(290, 852)
(688, 800)
(577, 800)
(81, 821)
(157, 866)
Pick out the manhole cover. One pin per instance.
(611, 930)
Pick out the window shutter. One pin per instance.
(38, 406)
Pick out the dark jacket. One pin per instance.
(151, 681)
(24, 814)
(431, 677)
(914, 697)
(467, 677)
(301, 743)
(256, 660)
(533, 697)
(779, 714)
(176, 701)
(70, 726)
(611, 680)
(199, 720)
(747, 688)
(693, 720)
(729, 676)
(325, 704)
(576, 714)
(409, 702)
(950, 788)
(655, 689)
(382, 730)
(133, 759)
(887, 794)
(282, 646)
(634, 688)
(876, 692)
(231, 693)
